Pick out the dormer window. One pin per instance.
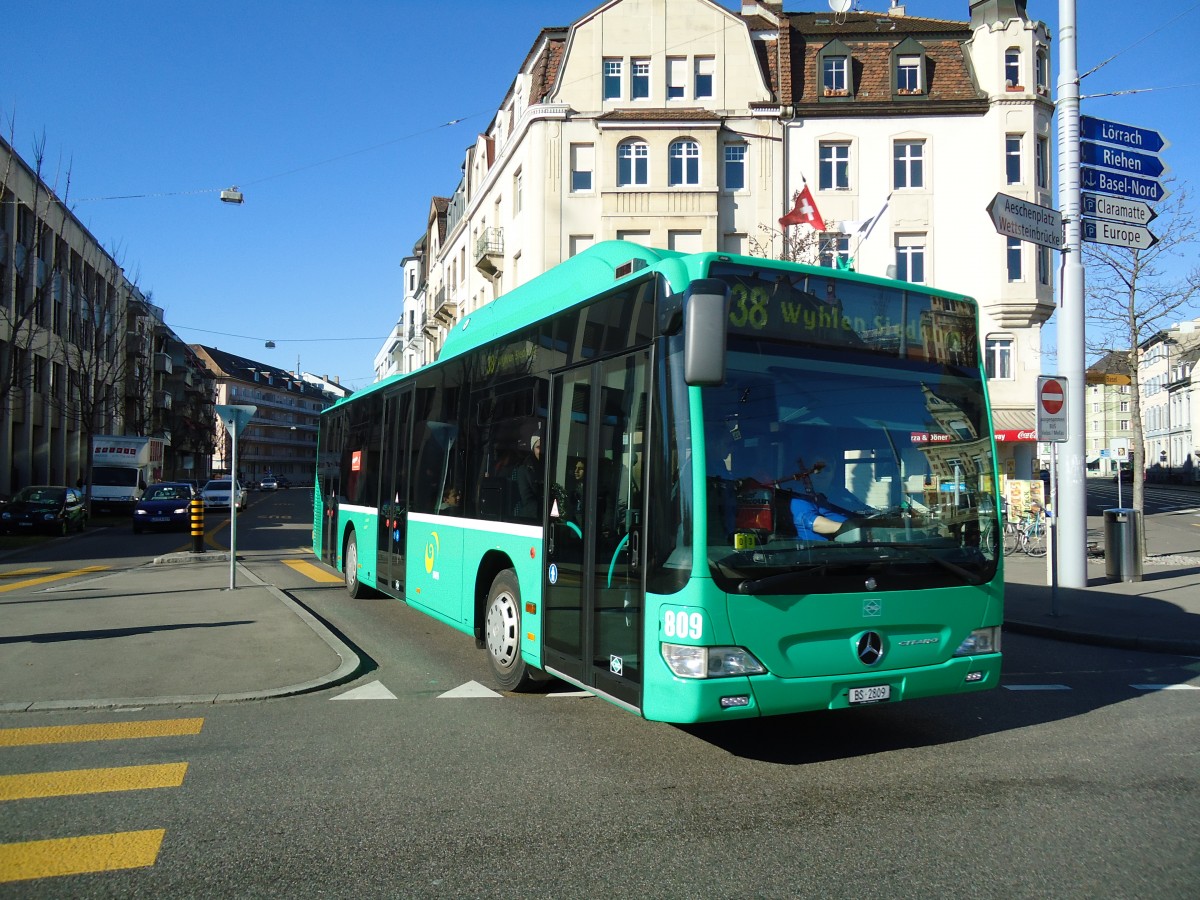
(835, 71)
(908, 69)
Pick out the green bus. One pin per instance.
(701, 486)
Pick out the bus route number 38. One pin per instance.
(683, 624)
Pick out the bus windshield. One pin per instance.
(843, 456)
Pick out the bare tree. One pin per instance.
(798, 243)
(1133, 294)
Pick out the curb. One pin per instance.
(1175, 647)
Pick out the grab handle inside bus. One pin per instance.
(705, 316)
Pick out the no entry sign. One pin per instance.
(1052, 408)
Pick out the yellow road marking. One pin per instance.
(16, 572)
(77, 855)
(108, 731)
(91, 781)
(316, 573)
(58, 576)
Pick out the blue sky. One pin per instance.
(331, 117)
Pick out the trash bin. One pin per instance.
(1123, 544)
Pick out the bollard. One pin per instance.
(197, 510)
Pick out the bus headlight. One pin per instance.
(687, 661)
(981, 640)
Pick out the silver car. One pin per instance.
(216, 493)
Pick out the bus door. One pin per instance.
(593, 592)
(393, 492)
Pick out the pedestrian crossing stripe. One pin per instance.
(72, 782)
(78, 855)
(106, 731)
(315, 573)
(1036, 687)
(57, 576)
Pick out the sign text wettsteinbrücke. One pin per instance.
(1027, 221)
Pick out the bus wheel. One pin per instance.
(502, 630)
(355, 588)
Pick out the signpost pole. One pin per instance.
(1071, 514)
(234, 417)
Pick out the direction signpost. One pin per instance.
(1121, 161)
(1018, 218)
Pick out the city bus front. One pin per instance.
(835, 505)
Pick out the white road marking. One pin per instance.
(373, 691)
(472, 689)
(1166, 687)
(1035, 687)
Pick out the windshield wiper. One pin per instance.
(965, 574)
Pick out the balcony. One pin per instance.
(163, 363)
(163, 400)
(137, 344)
(445, 308)
(489, 252)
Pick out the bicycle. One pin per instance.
(1031, 535)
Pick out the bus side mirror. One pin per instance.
(705, 319)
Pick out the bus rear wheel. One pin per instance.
(502, 636)
(354, 587)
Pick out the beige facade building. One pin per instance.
(684, 124)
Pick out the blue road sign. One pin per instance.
(1131, 186)
(1147, 165)
(1092, 129)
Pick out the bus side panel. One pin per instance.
(434, 579)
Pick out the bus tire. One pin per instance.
(502, 636)
(354, 587)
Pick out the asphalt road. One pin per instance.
(1072, 780)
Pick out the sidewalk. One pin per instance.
(168, 633)
(1160, 613)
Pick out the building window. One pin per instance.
(577, 243)
(835, 75)
(910, 258)
(639, 88)
(583, 164)
(1012, 68)
(998, 358)
(612, 79)
(633, 164)
(1042, 163)
(1043, 265)
(684, 164)
(908, 167)
(1012, 158)
(833, 168)
(676, 78)
(518, 191)
(908, 74)
(705, 67)
(835, 250)
(735, 167)
(1043, 71)
(1015, 272)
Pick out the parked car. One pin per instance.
(45, 508)
(283, 481)
(269, 483)
(164, 506)
(216, 493)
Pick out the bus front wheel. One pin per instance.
(502, 630)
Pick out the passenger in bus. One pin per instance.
(576, 493)
(451, 502)
(529, 482)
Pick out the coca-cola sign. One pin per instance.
(1004, 435)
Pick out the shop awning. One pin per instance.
(1013, 425)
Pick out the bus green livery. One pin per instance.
(701, 486)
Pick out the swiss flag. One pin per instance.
(804, 212)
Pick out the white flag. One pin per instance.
(862, 228)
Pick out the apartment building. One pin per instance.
(684, 124)
(1109, 415)
(82, 350)
(1170, 402)
(281, 438)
